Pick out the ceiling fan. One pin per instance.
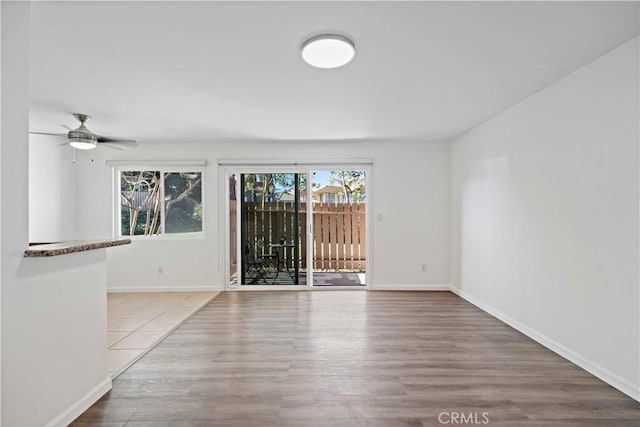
(83, 139)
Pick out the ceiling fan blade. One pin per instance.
(62, 135)
(66, 127)
(113, 147)
(116, 140)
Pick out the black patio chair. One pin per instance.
(254, 269)
(271, 258)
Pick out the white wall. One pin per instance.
(54, 364)
(52, 201)
(2, 135)
(409, 192)
(545, 217)
(50, 307)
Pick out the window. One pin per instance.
(329, 198)
(157, 202)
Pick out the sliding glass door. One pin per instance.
(339, 227)
(273, 224)
(296, 227)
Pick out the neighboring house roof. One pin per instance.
(331, 189)
(286, 197)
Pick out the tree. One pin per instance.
(141, 197)
(352, 184)
(140, 193)
(183, 199)
(271, 187)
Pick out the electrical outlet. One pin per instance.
(159, 270)
(424, 268)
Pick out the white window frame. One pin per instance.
(162, 168)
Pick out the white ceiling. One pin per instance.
(220, 71)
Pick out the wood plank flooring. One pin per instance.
(353, 358)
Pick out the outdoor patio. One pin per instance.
(324, 278)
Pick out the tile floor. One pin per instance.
(138, 321)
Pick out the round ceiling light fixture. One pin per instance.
(328, 51)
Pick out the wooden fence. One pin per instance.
(339, 238)
(139, 197)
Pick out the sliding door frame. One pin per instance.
(226, 168)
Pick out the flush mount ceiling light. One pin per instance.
(328, 51)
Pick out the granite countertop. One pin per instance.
(69, 247)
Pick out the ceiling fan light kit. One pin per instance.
(83, 143)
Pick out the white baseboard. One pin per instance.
(409, 287)
(126, 289)
(82, 404)
(593, 368)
